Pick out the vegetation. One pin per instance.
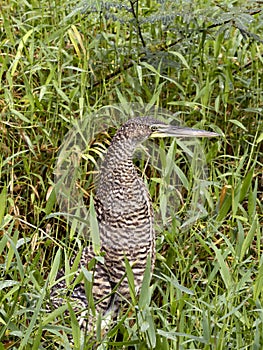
(61, 62)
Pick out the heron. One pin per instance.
(125, 219)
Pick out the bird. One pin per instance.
(125, 219)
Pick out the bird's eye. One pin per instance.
(154, 127)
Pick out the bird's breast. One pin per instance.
(125, 214)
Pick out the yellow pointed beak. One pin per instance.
(177, 131)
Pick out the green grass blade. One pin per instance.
(250, 236)
(74, 327)
(223, 268)
(130, 278)
(34, 320)
(3, 203)
(94, 228)
(145, 294)
(258, 285)
(54, 268)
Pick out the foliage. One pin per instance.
(202, 61)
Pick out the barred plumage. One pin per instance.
(125, 217)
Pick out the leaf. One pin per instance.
(245, 184)
(19, 51)
(139, 72)
(87, 274)
(3, 243)
(145, 295)
(175, 335)
(258, 285)
(51, 200)
(54, 314)
(60, 92)
(223, 268)
(151, 332)
(76, 263)
(260, 138)
(238, 123)
(22, 117)
(249, 238)
(13, 251)
(54, 268)
(7, 284)
(240, 237)
(94, 228)
(34, 320)
(74, 326)
(252, 201)
(181, 57)
(225, 204)
(130, 278)
(3, 204)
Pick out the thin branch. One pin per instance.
(135, 15)
(142, 56)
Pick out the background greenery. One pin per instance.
(202, 60)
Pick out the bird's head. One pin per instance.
(142, 128)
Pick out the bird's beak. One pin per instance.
(177, 131)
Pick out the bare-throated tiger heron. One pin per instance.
(125, 218)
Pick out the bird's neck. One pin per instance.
(117, 168)
(120, 151)
(119, 155)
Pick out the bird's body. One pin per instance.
(125, 215)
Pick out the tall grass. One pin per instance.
(59, 65)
